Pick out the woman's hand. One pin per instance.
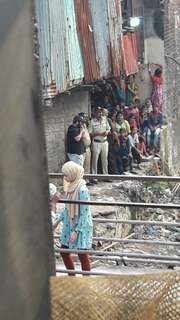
(73, 236)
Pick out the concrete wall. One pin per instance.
(143, 82)
(154, 46)
(154, 50)
(153, 53)
(57, 119)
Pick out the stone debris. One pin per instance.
(134, 191)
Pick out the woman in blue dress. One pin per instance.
(77, 230)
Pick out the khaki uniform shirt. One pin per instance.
(99, 126)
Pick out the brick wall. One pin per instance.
(56, 121)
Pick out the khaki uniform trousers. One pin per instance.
(87, 160)
(100, 149)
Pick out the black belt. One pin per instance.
(95, 140)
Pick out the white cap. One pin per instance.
(52, 190)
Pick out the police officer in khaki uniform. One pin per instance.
(99, 129)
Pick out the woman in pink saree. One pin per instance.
(157, 92)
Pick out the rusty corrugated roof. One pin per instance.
(85, 32)
(115, 32)
(100, 27)
(60, 55)
(80, 41)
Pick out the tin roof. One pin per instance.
(80, 41)
(86, 37)
(115, 31)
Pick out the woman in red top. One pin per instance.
(157, 92)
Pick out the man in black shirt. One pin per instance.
(75, 144)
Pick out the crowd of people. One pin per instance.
(112, 141)
(117, 137)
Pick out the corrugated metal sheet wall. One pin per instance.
(58, 51)
(42, 12)
(79, 40)
(100, 27)
(86, 37)
(76, 71)
(115, 31)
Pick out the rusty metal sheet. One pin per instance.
(85, 32)
(75, 61)
(42, 14)
(115, 32)
(80, 40)
(101, 35)
(60, 55)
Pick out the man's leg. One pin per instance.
(136, 155)
(119, 164)
(104, 157)
(96, 149)
(125, 164)
(87, 161)
(112, 161)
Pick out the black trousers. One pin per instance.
(123, 163)
(136, 155)
(112, 162)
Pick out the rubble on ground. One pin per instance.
(134, 191)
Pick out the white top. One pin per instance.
(133, 140)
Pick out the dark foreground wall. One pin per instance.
(26, 259)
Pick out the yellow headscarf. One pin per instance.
(75, 174)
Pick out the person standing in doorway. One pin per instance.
(157, 92)
(75, 143)
(99, 129)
